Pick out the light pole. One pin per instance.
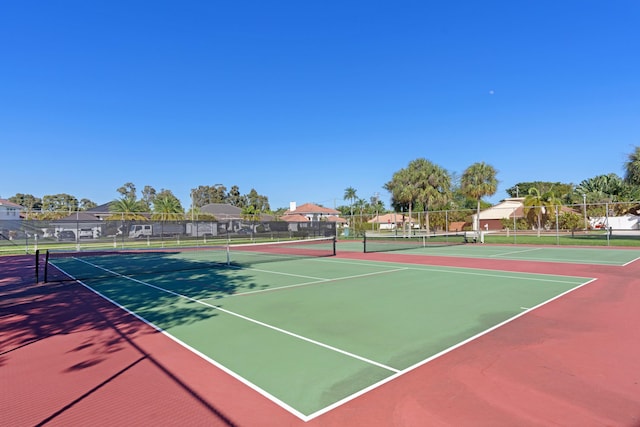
(192, 207)
(584, 209)
(376, 195)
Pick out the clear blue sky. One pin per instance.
(302, 99)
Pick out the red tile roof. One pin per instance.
(312, 208)
(5, 202)
(294, 218)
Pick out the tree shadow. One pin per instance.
(33, 313)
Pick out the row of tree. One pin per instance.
(163, 204)
(425, 186)
(422, 186)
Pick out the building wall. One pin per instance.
(9, 213)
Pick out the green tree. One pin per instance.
(206, 194)
(128, 191)
(148, 196)
(29, 201)
(570, 221)
(86, 204)
(126, 208)
(235, 198)
(251, 214)
(166, 207)
(59, 203)
(350, 195)
(479, 180)
(403, 189)
(539, 208)
(632, 167)
(521, 189)
(432, 185)
(258, 201)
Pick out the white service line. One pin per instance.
(315, 282)
(249, 319)
(515, 252)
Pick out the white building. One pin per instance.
(10, 219)
(10, 210)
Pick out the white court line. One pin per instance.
(465, 270)
(515, 252)
(249, 319)
(315, 282)
(392, 377)
(437, 355)
(633, 260)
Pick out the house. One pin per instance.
(508, 209)
(222, 211)
(491, 218)
(101, 211)
(10, 219)
(231, 219)
(313, 212)
(312, 220)
(393, 221)
(10, 210)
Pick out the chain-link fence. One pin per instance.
(512, 218)
(20, 236)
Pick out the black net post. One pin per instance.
(37, 266)
(46, 266)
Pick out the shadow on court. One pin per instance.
(63, 349)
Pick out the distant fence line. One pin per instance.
(86, 233)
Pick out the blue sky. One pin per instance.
(302, 99)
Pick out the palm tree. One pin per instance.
(540, 206)
(477, 181)
(402, 188)
(433, 183)
(632, 167)
(166, 208)
(533, 206)
(126, 208)
(350, 194)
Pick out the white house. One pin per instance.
(10, 210)
(491, 218)
(313, 212)
(10, 220)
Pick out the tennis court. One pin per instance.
(453, 246)
(312, 331)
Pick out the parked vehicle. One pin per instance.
(85, 233)
(66, 236)
(138, 231)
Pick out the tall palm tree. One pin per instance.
(433, 184)
(350, 194)
(540, 206)
(632, 167)
(477, 181)
(402, 188)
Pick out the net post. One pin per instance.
(364, 243)
(46, 267)
(228, 254)
(37, 266)
(334, 242)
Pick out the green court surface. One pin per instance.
(576, 255)
(312, 333)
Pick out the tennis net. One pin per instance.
(376, 242)
(62, 265)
